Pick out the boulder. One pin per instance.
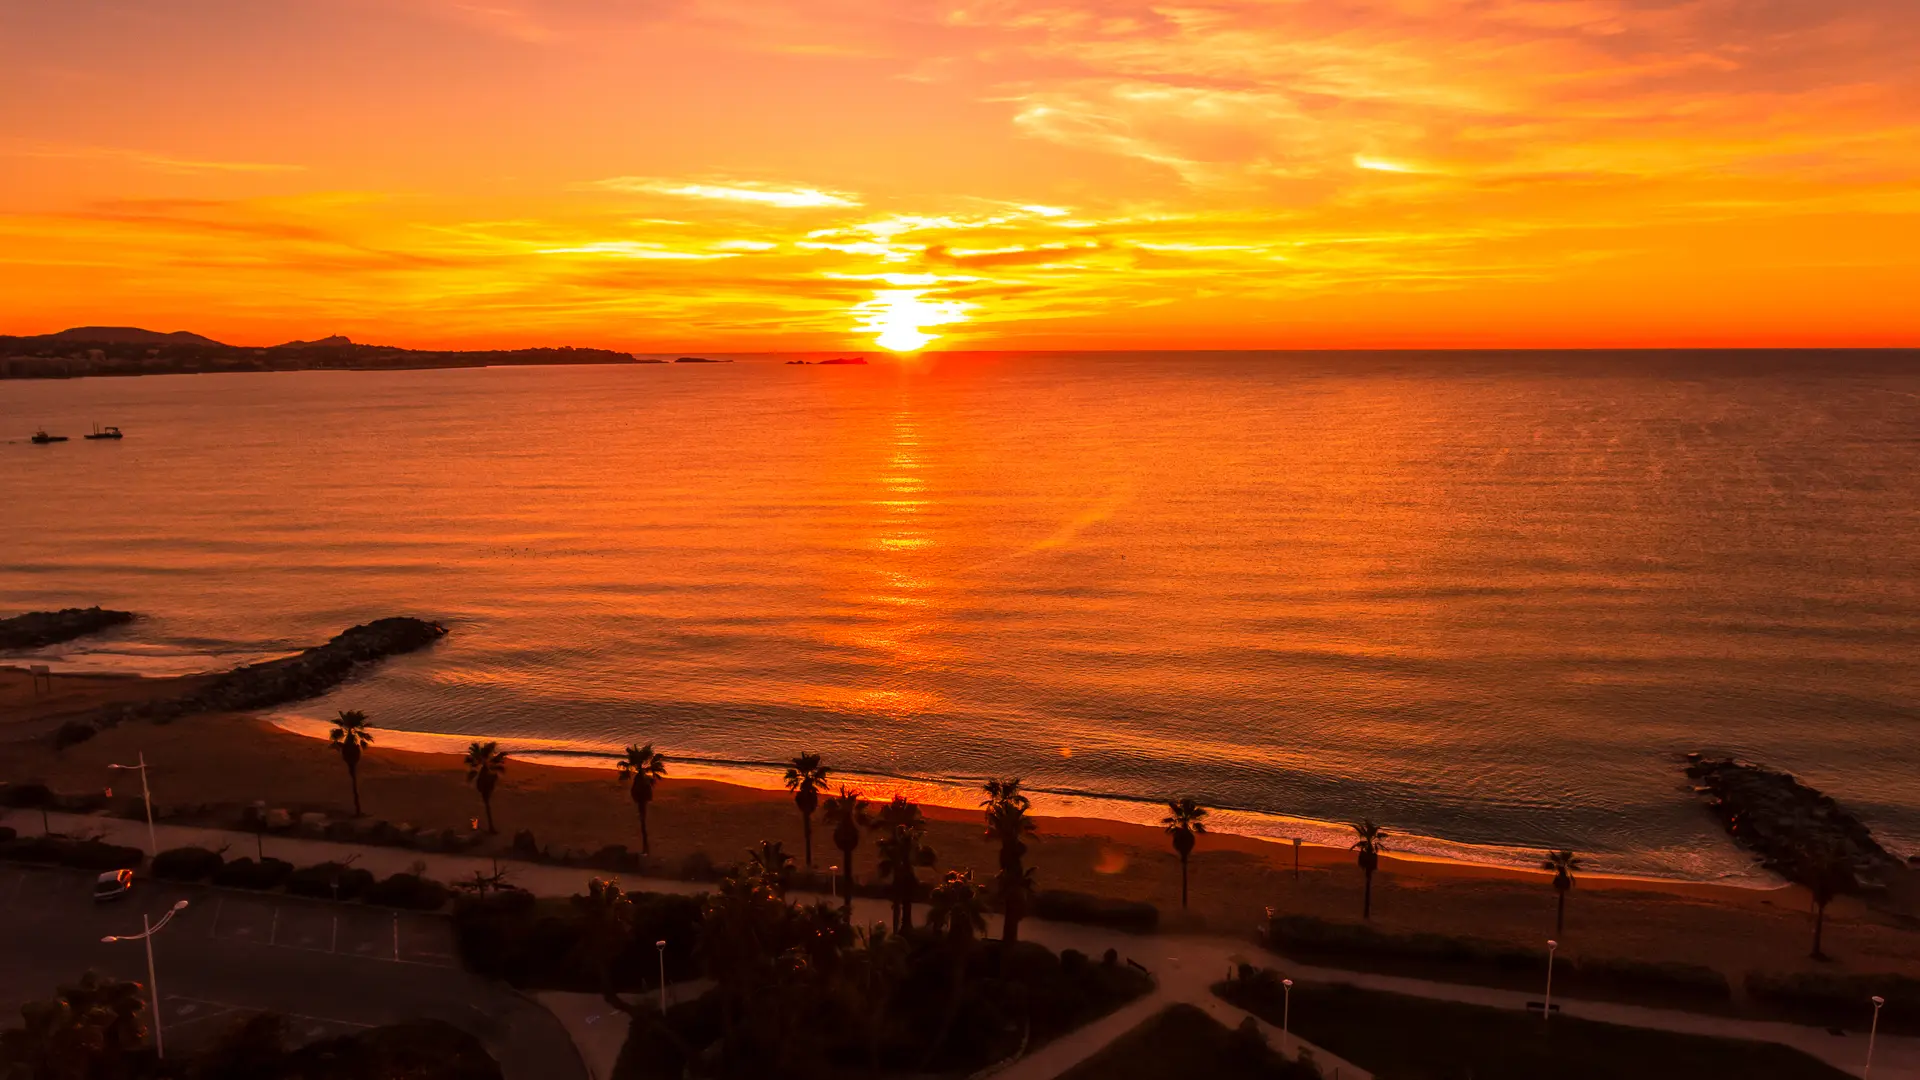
(38, 629)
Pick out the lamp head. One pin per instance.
(108, 940)
(1552, 944)
(181, 906)
(660, 944)
(1878, 1001)
(1288, 983)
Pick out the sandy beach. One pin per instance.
(232, 760)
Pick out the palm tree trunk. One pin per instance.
(806, 836)
(353, 778)
(1560, 916)
(486, 801)
(846, 877)
(1183, 881)
(1819, 924)
(1366, 898)
(1010, 920)
(646, 844)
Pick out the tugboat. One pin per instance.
(108, 432)
(43, 438)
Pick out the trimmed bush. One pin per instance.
(7, 833)
(72, 733)
(26, 796)
(329, 881)
(33, 849)
(79, 854)
(535, 944)
(1836, 1000)
(244, 873)
(410, 891)
(1060, 905)
(187, 864)
(1664, 980)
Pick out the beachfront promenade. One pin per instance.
(1184, 966)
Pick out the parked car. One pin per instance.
(112, 885)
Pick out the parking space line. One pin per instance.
(218, 904)
(334, 945)
(274, 930)
(396, 935)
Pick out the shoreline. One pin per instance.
(1052, 805)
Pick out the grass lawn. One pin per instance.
(1184, 1043)
(1408, 1038)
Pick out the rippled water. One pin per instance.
(1487, 599)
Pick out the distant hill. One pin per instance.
(336, 339)
(123, 335)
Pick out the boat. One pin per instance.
(108, 432)
(43, 438)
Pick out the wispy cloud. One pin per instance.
(149, 160)
(788, 197)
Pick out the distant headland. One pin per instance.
(128, 350)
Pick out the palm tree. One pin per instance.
(350, 736)
(955, 911)
(1009, 825)
(1369, 846)
(1563, 864)
(805, 777)
(902, 850)
(1827, 872)
(644, 768)
(485, 762)
(606, 929)
(774, 866)
(848, 813)
(1183, 822)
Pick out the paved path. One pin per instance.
(1184, 966)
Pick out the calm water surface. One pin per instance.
(1486, 599)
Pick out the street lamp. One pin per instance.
(833, 881)
(147, 930)
(146, 796)
(1286, 1016)
(1546, 1008)
(1873, 1032)
(661, 947)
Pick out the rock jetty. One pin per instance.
(292, 678)
(1781, 819)
(38, 629)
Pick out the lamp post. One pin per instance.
(661, 947)
(146, 796)
(1546, 1008)
(1872, 1033)
(1286, 1016)
(833, 881)
(147, 930)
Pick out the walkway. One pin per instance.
(1185, 967)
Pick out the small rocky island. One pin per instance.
(1782, 820)
(38, 629)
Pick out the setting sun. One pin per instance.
(898, 317)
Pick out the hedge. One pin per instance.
(244, 873)
(410, 891)
(1060, 905)
(1836, 1000)
(187, 864)
(79, 854)
(25, 796)
(329, 881)
(535, 944)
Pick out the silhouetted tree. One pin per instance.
(956, 911)
(902, 849)
(1183, 822)
(1369, 846)
(641, 768)
(90, 1029)
(350, 736)
(774, 866)
(1563, 864)
(848, 813)
(1827, 872)
(805, 777)
(485, 762)
(1009, 826)
(606, 929)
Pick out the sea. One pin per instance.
(1487, 599)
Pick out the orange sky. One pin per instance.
(758, 174)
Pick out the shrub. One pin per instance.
(536, 943)
(410, 891)
(79, 854)
(1837, 1000)
(244, 873)
(26, 796)
(329, 881)
(1059, 905)
(699, 866)
(72, 733)
(7, 833)
(35, 849)
(187, 864)
(1666, 980)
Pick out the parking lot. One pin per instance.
(331, 969)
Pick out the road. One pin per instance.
(332, 969)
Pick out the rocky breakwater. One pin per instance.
(38, 629)
(291, 678)
(1783, 820)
